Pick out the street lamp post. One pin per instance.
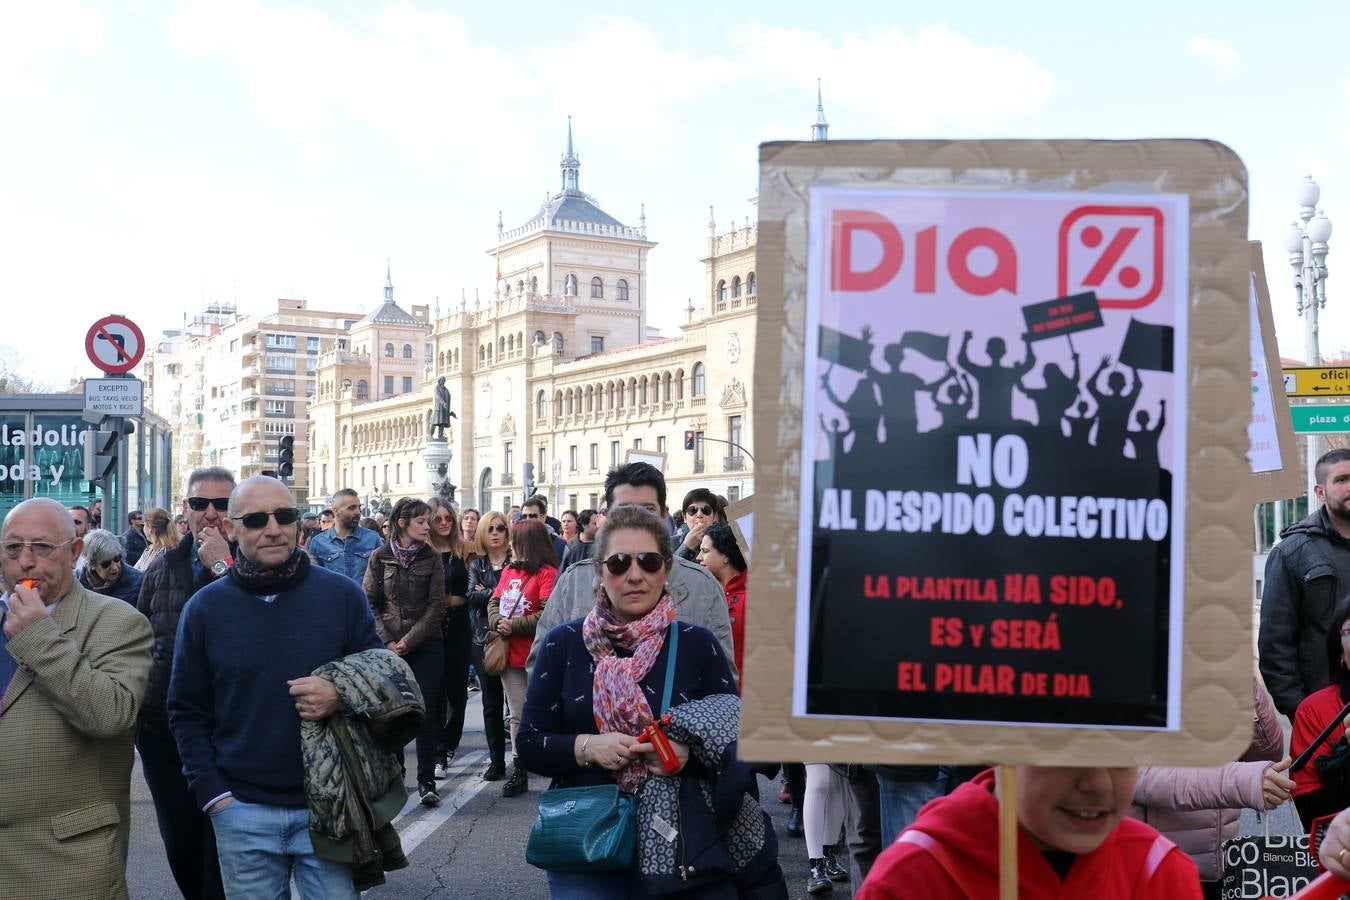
(1306, 241)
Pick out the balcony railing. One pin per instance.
(733, 463)
(507, 479)
(698, 466)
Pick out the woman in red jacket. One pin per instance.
(513, 612)
(721, 556)
(1074, 841)
(1322, 787)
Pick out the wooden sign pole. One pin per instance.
(1007, 833)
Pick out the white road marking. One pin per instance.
(418, 827)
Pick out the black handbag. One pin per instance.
(591, 828)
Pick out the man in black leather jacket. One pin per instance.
(1307, 574)
(169, 583)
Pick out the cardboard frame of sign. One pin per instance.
(990, 227)
(651, 457)
(1271, 419)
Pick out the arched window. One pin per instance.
(557, 343)
(679, 384)
(520, 286)
(666, 396)
(407, 351)
(481, 354)
(540, 406)
(722, 291)
(539, 338)
(362, 389)
(621, 290)
(345, 435)
(534, 284)
(501, 347)
(597, 288)
(511, 343)
(699, 386)
(389, 350)
(642, 396)
(609, 395)
(508, 289)
(520, 339)
(570, 285)
(440, 360)
(558, 403)
(590, 398)
(736, 286)
(750, 284)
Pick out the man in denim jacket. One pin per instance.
(346, 546)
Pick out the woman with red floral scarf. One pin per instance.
(598, 683)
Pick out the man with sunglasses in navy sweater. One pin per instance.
(203, 555)
(242, 683)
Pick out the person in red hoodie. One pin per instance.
(1075, 842)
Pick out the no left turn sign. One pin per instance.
(115, 344)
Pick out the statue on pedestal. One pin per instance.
(441, 414)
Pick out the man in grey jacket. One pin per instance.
(698, 597)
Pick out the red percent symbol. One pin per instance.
(1106, 261)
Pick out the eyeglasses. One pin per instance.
(495, 529)
(199, 504)
(620, 563)
(526, 515)
(255, 520)
(41, 549)
(695, 509)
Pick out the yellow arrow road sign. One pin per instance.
(1317, 381)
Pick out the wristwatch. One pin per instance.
(221, 566)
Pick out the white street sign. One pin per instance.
(114, 396)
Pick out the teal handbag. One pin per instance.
(592, 828)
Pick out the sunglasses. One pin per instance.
(620, 563)
(495, 529)
(531, 516)
(287, 515)
(107, 562)
(695, 509)
(199, 504)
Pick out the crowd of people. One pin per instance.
(271, 666)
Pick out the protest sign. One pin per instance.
(984, 543)
(1273, 450)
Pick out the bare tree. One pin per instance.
(12, 379)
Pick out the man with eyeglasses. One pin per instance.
(203, 555)
(73, 667)
(241, 686)
(537, 508)
(133, 539)
(346, 547)
(698, 597)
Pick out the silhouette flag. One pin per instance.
(930, 345)
(844, 349)
(1147, 346)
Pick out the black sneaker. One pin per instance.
(426, 792)
(833, 867)
(795, 827)
(817, 881)
(517, 784)
(474, 686)
(495, 771)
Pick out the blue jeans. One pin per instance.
(900, 803)
(261, 847)
(596, 886)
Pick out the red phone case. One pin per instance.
(655, 735)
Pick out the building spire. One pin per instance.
(571, 165)
(388, 283)
(821, 130)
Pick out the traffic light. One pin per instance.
(286, 456)
(100, 454)
(689, 437)
(529, 480)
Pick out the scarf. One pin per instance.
(404, 556)
(267, 582)
(620, 705)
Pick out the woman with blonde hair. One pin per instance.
(493, 546)
(160, 536)
(448, 540)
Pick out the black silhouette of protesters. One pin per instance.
(862, 410)
(837, 434)
(1145, 439)
(898, 389)
(1080, 426)
(996, 381)
(1055, 399)
(1113, 407)
(955, 406)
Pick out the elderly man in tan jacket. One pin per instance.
(73, 668)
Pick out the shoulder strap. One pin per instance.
(674, 632)
(1156, 854)
(949, 863)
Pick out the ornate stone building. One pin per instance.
(556, 372)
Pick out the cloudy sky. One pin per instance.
(159, 156)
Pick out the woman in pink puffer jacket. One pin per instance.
(1199, 808)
